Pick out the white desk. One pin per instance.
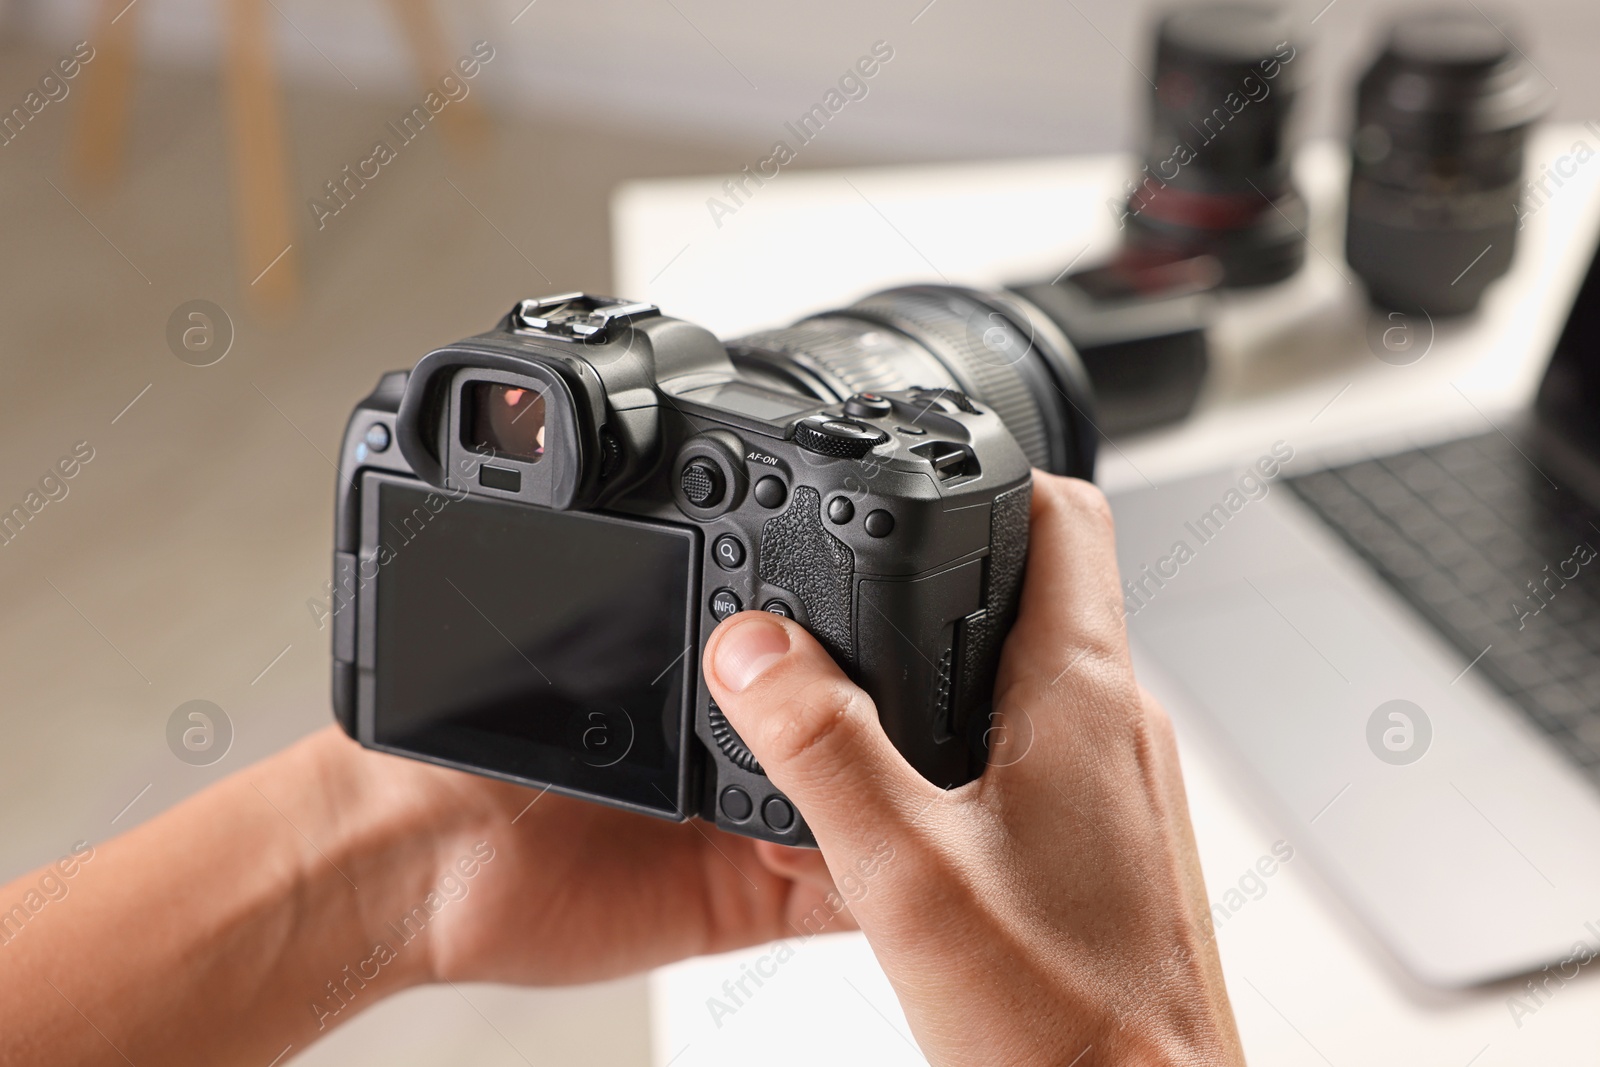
(1308, 984)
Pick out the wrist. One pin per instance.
(394, 831)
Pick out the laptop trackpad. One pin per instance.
(1436, 825)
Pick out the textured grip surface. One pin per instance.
(987, 628)
(1008, 550)
(800, 555)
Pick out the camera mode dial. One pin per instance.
(841, 438)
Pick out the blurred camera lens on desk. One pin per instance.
(1215, 179)
(1442, 116)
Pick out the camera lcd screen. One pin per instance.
(747, 400)
(543, 645)
(504, 420)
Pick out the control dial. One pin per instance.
(728, 739)
(841, 438)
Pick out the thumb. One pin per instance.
(815, 732)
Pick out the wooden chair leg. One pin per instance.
(99, 137)
(464, 122)
(267, 260)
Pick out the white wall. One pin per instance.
(1001, 77)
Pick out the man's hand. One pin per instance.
(578, 892)
(258, 915)
(1053, 907)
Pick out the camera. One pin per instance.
(537, 529)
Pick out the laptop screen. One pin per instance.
(1570, 393)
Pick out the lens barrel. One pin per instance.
(996, 348)
(1442, 117)
(1216, 170)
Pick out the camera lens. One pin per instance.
(504, 420)
(1215, 179)
(1442, 117)
(996, 348)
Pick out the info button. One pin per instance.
(725, 602)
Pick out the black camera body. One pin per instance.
(538, 528)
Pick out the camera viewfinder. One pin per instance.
(504, 419)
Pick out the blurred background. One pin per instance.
(189, 557)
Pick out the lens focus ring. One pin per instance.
(998, 349)
(850, 356)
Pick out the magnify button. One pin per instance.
(729, 552)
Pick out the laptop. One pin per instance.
(1401, 647)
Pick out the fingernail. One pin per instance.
(750, 647)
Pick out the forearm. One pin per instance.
(229, 928)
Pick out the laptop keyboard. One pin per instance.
(1500, 561)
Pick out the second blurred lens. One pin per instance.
(1442, 116)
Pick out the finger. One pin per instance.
(1067, 656)
(806, 868)
(803, 865)
(815, 732)
(1072, 595)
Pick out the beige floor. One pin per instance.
(184, 555)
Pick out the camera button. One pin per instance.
(702, 483)
(377, 437)
(729, 552)
(725, 602)
(867, 406)
(840, 510)
(931, 398)
(879, 524)
(736, 804)
(777, 813)
(778, 607)
(771, 492)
